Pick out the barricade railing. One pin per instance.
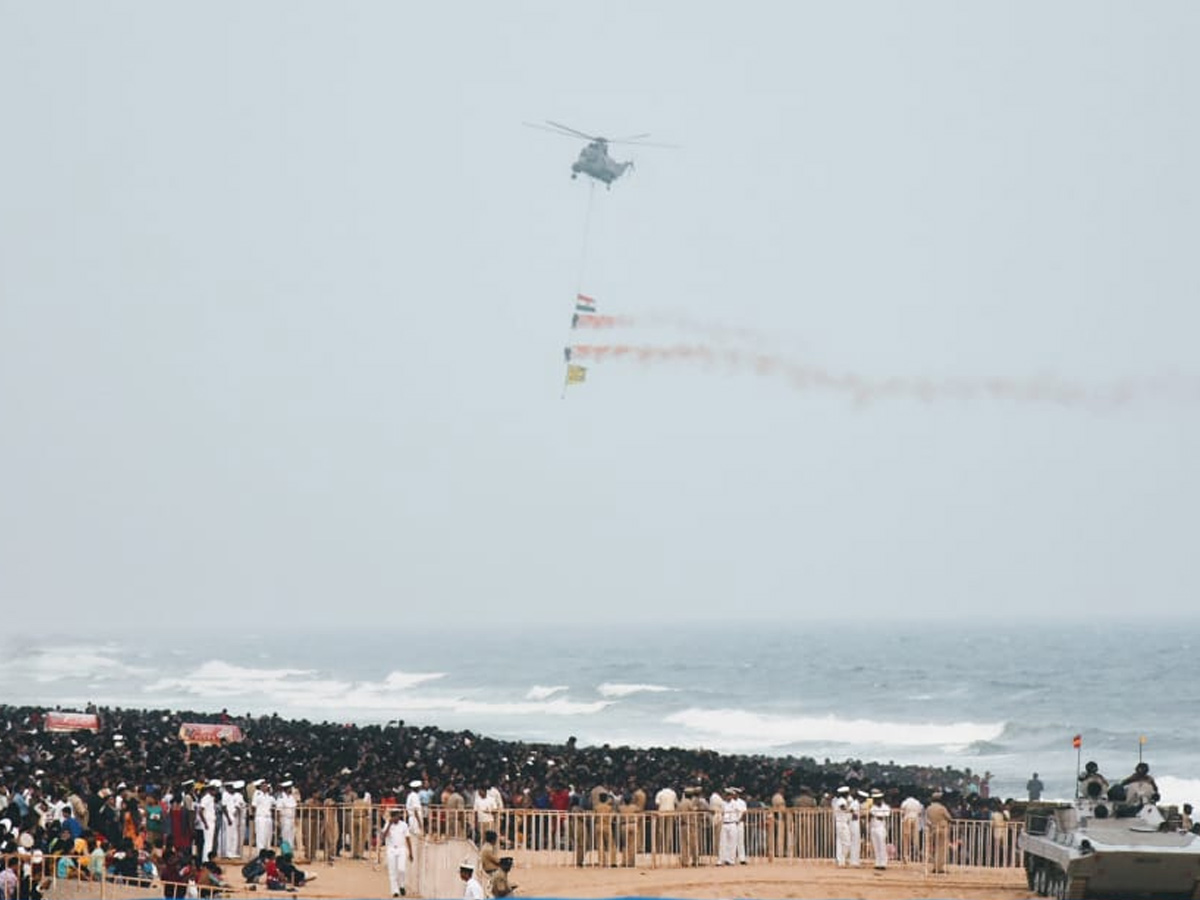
(658, 839)
(76, 877)
(326, 832)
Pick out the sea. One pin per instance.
(1005, 698)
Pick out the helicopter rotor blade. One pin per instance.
(549, 129)
(574, 131)
(647, 144)
(629, 137)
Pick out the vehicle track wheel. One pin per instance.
(1040, 877)
(1060, 885)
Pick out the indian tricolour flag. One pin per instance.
(584, 303)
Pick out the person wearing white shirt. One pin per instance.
(716, 805)
(841, 825)
(739, 804)
(412, 804)
(666, 801)
(472, 889)
(731, 815)
(264, 806)
(880, 813)
(230, 838)
(285, 802)
(399, 850)
(855, 806)
(208, 818)
(911, 810)
(485, 808)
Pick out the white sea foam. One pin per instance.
(617, 689)
(1178, 791)
(736, 728)
(54, 663)
(542, 692)
(301, 690)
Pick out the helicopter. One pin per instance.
(594, 160)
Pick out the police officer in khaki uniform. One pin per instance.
(938, 818)
(603, 815)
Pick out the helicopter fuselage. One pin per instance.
(595, 162)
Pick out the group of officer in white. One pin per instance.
(849, 812)
(222, 811)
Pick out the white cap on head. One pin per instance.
(843, 790)
(467, 863)
(415, 783)
(216, 782)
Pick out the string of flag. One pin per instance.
(585, 312)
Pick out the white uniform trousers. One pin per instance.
(841, 833)
(741, 842)
(727, 850)
(262, 832)
(879, 842)
(287, 826)
(855, 841)
(397, 863)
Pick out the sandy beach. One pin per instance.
(810, 881)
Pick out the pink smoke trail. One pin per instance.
(862, 389)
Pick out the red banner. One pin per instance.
(70, 721)
(208, 733)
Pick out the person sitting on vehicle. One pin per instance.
(1091, 776)
(1140, 785)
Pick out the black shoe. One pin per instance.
(402, 892)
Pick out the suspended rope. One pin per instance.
(587, 227)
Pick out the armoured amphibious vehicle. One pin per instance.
(1088, 849)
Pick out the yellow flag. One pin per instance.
(576, 374)
(1142, 739)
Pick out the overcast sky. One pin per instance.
(284, 289)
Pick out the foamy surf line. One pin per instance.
(616, 689)
(731, 728)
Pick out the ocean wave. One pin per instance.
(542, 692)
(301, 691)
(617, 689)
(734, 727)
(1178, 791)
(49, 664)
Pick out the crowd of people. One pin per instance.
(131, 799)
(329, 760)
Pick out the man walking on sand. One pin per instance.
(399, 851)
